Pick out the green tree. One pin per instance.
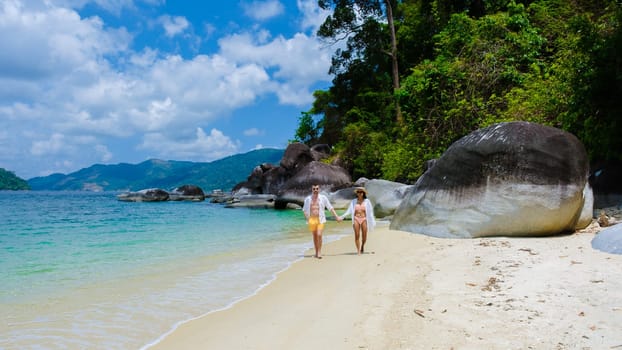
(596, 81)
(9, 181)
(369, 60)
(464, 65)
(478, 61)
(308, 129)
(578, 88)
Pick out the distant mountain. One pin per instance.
(9, 181)
(166, 174)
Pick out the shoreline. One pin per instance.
(412, 291)
(332, 237)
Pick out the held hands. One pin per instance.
(337, 217)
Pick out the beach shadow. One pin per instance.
(350, 253)
(305, 256)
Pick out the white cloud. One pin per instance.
(113, 6)
(173, 25)
(209, 29)
(206, 86)
(313, 15)
(77, 84)
(54, 145)
(157, 115)
(262, 10)
(298, 62)
(53, 43)
(253, 132)
(202, 147)
(59, 144)
(104, 154)
(144, 59)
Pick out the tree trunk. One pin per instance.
(395, 70)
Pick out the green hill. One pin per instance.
(166, 174)
(8, 181)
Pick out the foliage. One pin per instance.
(361, 150)
(465, 65)
(9, 181)
(595, 108)
(308, 129)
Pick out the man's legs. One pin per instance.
(317, 242)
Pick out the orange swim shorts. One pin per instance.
(314, 224)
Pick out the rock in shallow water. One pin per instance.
(146, 195)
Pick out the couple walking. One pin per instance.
(360, 209)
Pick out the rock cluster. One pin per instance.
(290, 182)
(182, 193)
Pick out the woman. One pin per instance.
(362, 217)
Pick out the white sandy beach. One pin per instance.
(411, 291)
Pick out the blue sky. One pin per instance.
(111, 81)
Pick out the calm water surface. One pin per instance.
(83, 270)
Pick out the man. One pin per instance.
(314, 208)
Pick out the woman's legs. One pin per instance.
(364, 234)
(357, 234)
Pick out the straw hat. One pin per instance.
(362, 189)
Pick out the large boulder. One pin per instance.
(261, 201)
(146, 195)
(274, 179)
(329, 177)
(386, 196)
(320, 151)
(270, 179)
(296, 156)
(291, 181)
(257, 182)
(340, 199)
(187, 193)
(509, 179)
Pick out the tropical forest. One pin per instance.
(9, 181)
(412, 77)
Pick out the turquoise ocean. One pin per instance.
(81, 270)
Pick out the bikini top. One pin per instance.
(359, 207)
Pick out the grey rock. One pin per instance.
(509, 179)
(386, 196)
(187, 193)
(146, 195)
(329, 177)
(252, 201)
(609, 240)
(296, 157)
(341, 199)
